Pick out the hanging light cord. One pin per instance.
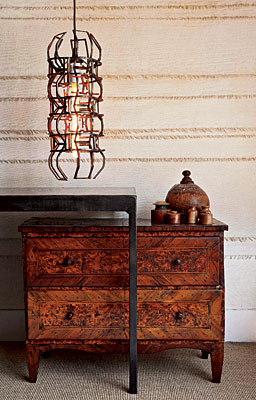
(74, 30)
(74, 16)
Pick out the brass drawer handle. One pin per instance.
(67, 262)
(69, 315)
(177, 261)
(178, 316)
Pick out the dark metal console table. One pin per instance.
(87, 199)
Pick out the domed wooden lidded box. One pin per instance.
(187, 194)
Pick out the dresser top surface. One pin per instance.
(92, 224)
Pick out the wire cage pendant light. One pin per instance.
(75, 124)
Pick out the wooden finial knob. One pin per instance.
(186, 173)
(186, 178)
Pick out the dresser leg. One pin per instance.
(205, 355)
(33, 361)
(217, 356)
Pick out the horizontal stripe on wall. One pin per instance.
(240, 239)
(23, 139)
(173, 98)
(243, 257)
(141, 77)
(226, 130)
(181, 130)
(135, 7)
(209, 18)
(177, 76)
(141, 159)
(131, 11)
(143, 98)
(135, 137)
(141, 134)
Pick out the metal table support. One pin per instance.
(87, 199)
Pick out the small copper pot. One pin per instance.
(183, 217)
(172, 217)
(157, 215)
(192, 215)
(205, 216)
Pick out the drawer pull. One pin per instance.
(66, 262)
(69, 315)
(177, 261)
(178, 316)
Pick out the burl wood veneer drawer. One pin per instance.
(90, 314)
(105, 262)
(167, 261)
(75, 262)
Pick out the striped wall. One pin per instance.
(179, 93)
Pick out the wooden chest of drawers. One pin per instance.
(76, 287)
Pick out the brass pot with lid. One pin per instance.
(187, 194)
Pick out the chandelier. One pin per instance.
(75, 124)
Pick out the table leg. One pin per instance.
(133, 301)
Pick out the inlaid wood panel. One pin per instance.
(103, 261)
(188, 314)
(175, 242)
(79, 244)
(72, 262)
(178, 261)
(83, 262)
(83, 315)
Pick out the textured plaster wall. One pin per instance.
(180, 93)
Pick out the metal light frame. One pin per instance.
(75, 124)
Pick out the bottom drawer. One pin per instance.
(104, 314)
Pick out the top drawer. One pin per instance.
(167, 261)
(75, 261)
(93, 262)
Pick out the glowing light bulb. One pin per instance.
(74, 109)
